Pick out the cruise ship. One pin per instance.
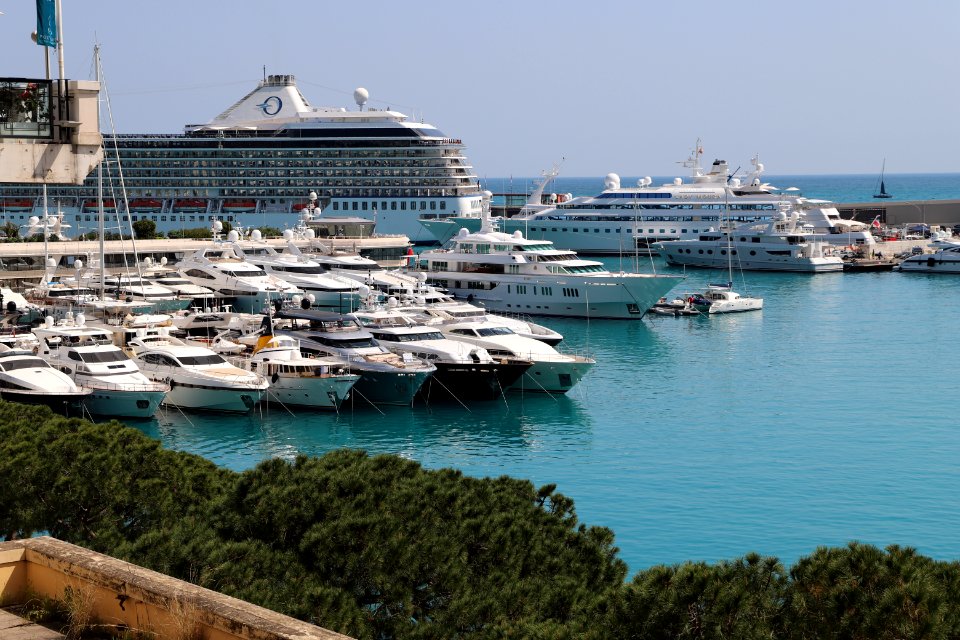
(256, 163)
(624, 219)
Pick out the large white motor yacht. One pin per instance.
(625, 219)
(385, 377)
(88, 355)
(326, 291)
(465, 371)
(316, 383)
(221, 266)
(509, 273)
(781, 244)
(944, 259)
(27, 378)
(551, 372)
(199, 379)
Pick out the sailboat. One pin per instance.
(882, 192)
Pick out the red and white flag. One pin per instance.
(876, 223)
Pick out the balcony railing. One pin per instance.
(26, 108)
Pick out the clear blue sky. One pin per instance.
(628, 87)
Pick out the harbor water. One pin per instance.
(828, 416)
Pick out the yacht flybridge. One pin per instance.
(508, 273)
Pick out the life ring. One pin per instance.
(690, 299)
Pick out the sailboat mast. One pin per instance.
(103, 279)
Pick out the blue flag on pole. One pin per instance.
(46, 23)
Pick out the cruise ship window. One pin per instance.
(336, 206)
(355, 206)
(364, 205)
(443, 204)
(423, 205)
(393, 205)
(403, 205)
(433, 204)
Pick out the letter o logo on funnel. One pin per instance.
(271, 106)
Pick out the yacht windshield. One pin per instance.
(409, 337)
(495, 331)
(193, 361)
(113, 355)
(23, 363)
(249, 273)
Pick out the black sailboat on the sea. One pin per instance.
(882, 192)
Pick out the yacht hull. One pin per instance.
(123, 404)
(552, 377)
(68, 404)
(201, 398)
(389, 387)
(315, 393)
(478, 381)
(612, 297)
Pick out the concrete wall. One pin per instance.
(120, 593)
(898, 213)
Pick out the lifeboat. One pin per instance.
(300, 206)
(91, 205)
(17, 204)
(190, 204)
(239, 205)
(145, 204)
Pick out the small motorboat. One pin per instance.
(676, 307)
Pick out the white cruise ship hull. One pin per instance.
(615, 297)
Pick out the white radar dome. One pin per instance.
(487, 194)
(148, 261)
(34, 221)
(51, 262)
(363, 290)
(518, 234)
(233, 236)
(217, 226)
(78, 264)
(313, 196)
(311, 234)
(360, 96)
(612, 181)
(256, 236)
(163, 261)
(287, 234)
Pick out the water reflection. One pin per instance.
(519, 424)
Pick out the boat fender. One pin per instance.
(36, 350)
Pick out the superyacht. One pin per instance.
(252, 163)
(625, 219)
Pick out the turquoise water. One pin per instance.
(827, 417)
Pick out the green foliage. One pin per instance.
(196, 234)
(145, 229)
(11, 231)
(270, 232)
(379, 547)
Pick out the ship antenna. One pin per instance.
(264, 73)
